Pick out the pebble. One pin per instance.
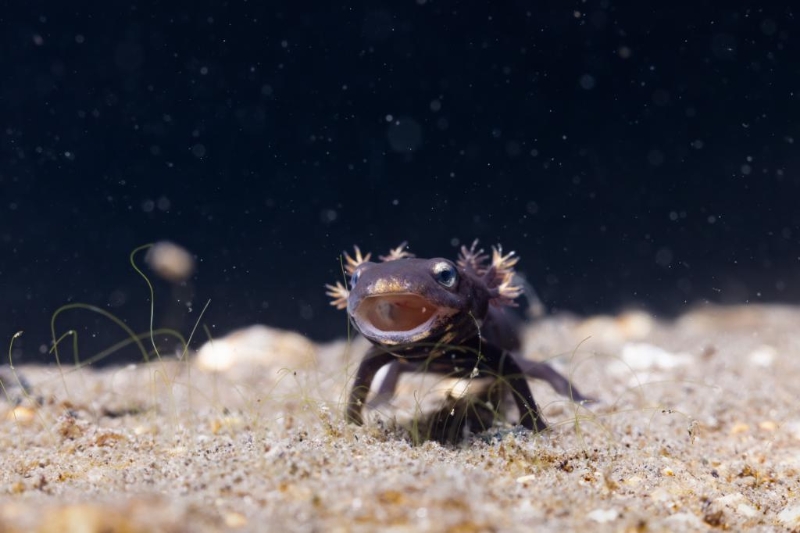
(603, 516)
(259, 345)
(763, 356)
(21, 414)
(170, 261)
(633, 325)
(790, 516)
(643, 356)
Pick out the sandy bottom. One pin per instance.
(697, 427)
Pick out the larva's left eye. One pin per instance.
(354, 278)
(445, 274)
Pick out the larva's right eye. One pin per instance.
(445, 274)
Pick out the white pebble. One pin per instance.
(763, 356)
(602, 516)
(170, 261)
(643, 356)
(790, 516)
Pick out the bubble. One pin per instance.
(199, 151)
(723, 46)
(624, 52)
(378, 25)
(328, 215)
(405, 135)
(661, 97)
(664, 257)
(587, 82)
(684, 285)
(117, 298)
(129, 56)
(436, 105)
(655, 157)
(768, 27)
(513, 148)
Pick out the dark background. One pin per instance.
(632, 155)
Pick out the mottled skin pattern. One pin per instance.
(440, 316)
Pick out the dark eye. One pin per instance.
(445, 274)
(354, 278)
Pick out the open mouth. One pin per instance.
(399, 316)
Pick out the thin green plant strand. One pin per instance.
(150, 288)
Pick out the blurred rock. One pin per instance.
(256, 345)
(634, 325)
(170, 261)
(790, 516)
(642, 356)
